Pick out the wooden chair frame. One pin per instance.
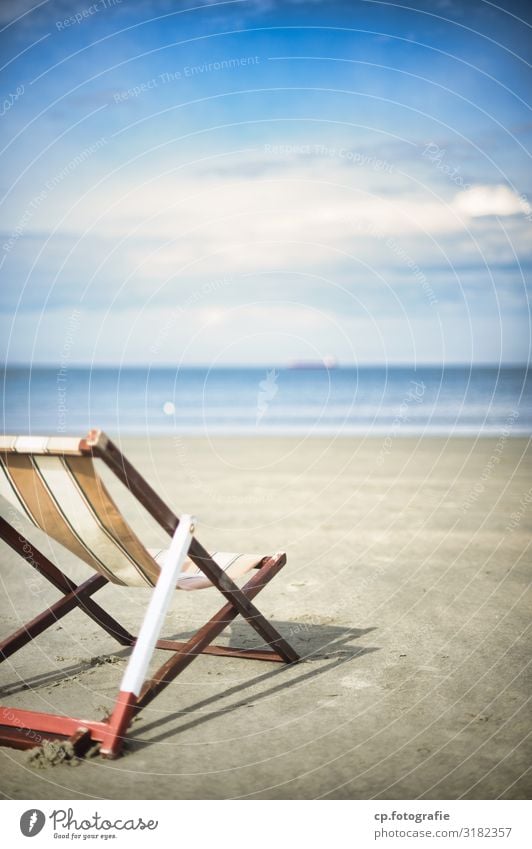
(25, 729)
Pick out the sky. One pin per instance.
(261, 182)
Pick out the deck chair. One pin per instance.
(55, 483)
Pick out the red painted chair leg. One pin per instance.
(117, 725)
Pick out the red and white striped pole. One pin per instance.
(135, 673)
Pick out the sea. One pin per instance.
(239, 401)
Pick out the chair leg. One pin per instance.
(48, 617)
(241, 601)
(122, 715)
(74, 596)
(197, 644)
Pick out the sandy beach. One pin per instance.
(406, 592)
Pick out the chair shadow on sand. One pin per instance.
(315, 644)
(322, 648)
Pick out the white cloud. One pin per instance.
(144, 237)
(221, 223)
(479, 201)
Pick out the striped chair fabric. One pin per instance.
(57, 487)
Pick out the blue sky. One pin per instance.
(260, 182)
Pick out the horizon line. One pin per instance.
(302, 366)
